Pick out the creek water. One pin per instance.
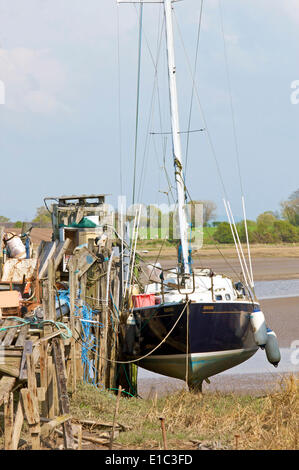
(277, 289)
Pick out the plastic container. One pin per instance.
(143, 300)
(15, 246)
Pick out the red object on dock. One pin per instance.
(143, 300)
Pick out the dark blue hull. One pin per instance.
(216, 336)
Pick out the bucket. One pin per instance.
(15, 246)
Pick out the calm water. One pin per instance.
(275, 289)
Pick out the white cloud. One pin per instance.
(33, 79)
(291, 7)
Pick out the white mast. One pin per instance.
(176, 139)
(175, 124)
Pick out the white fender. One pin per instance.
(272, 348)
(257, 320)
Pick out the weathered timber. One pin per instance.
(50, 387)
(73, 294)
(49, 427)
(22, 335)
(43, 367)
(51, 287)
(10, 334)
(6, 386)
(8, 421)
(64, 405)
(23, 368)
(115, 417)
(18, 423)
(60, 252)
(30, 404)
(30, 401)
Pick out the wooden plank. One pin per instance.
(49, 251)
(30, 401)
(52, 293)
(58, 353)
(9, 352)
(11, 332)
(6, 386)
(60, 254)
(49, 427)
(22, 335)
(85, 260)
(31, 377)
(10, 361)
(115, 417)
(45, 300)
(30, 404)
(50, 388)
(43, 367)
(10, 370)
(55, 394)
(19, 419)
(23, 368)
(73, 294)
(8, 421)
(3, 333)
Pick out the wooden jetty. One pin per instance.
(45, 347)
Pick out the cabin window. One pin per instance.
(227, 296)
(218, 297)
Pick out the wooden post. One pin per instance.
(52, 293)
(79, 436)
(163, 433)
(50, 388)
(43, 361)
(104, 329)
(114, 348)
(19, 419)
(30, 401)
(73, 294)
(64, 405)
(45, 297)
(115, 417)
(8, 421)
(1, 250)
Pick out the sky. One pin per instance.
(67, 125)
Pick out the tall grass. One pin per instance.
(268, 422)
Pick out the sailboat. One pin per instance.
(198, 323)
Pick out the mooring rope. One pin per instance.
(33, 321)
(151, 352)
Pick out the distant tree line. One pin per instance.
(269, 227)
(42, 219)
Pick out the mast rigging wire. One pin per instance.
(119, 103)
(155, 88)
(201, 110)
(192, 95)
(230, 99)
(138, 98)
